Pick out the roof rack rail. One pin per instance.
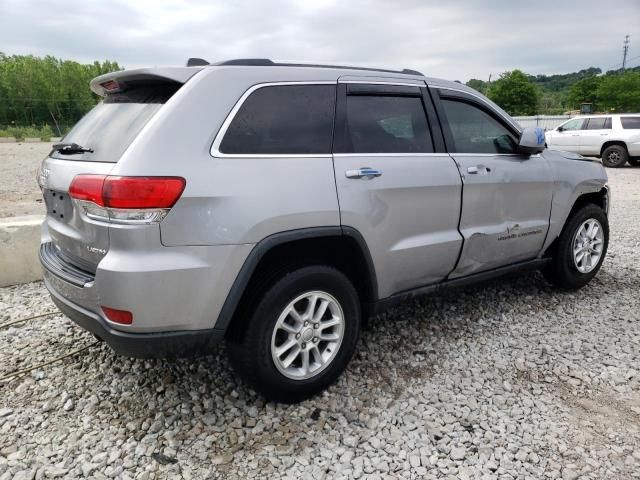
(248, 62)
(265, 62)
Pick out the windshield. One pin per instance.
(112, 125)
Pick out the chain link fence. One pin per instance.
(548, 122)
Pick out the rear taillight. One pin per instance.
(126, 199)
(88, 187)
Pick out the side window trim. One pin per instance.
(439, 93)
(437, 132)
(391, 90)
(215, 152)
(478, 99)
(342, 142)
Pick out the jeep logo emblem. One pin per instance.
(44, 176)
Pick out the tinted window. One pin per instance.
(110, 127)
(287, 119)
(575, 124)
(630, 122)
(475, 131)
(387, 124)
(599, 123)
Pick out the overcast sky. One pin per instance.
(453, 39)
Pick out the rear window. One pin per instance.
(283, 120)
(631, 123)
(112, 125)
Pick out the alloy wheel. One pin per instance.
(588, 243)
(307, 335)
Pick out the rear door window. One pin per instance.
(283, 120)
(387, 124)
(110, 127)
(631, 123)
(475, 131)
(599, 123)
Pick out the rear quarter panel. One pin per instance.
(229, 200)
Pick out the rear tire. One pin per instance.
(568, 269)
(614, 156)
(288, 314)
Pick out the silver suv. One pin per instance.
(276, 206)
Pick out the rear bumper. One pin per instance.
(139, 345)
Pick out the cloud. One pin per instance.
(454, 39)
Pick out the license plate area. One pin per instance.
(58, 204)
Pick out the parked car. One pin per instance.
(276, 206)
(615, 138)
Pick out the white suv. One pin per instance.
(615, 138)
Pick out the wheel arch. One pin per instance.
(341, 247)
(601, 198)
(610, 143)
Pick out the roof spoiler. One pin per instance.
(120, 80)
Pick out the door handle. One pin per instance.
(575, 134)
(478, 170)
(364, 172)
(604, 134)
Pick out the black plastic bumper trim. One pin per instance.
(184, 343)
(54, 262)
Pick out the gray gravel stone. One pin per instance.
(509, 380)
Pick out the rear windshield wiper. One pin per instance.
(70, 148)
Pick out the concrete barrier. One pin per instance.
(7, 139)
(19, 243)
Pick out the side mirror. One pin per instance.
(560, 128)
(531, 141)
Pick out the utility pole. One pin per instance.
(625, 50)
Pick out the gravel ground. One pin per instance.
(19, 192)
(511, 380)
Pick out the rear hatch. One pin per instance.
(94, 146)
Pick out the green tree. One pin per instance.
(585, 91)
(38, 91)
(515, 93)
(478, 85)
(620, 92)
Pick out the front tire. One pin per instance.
(300, 335)
(581, 249)
(614, 156)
